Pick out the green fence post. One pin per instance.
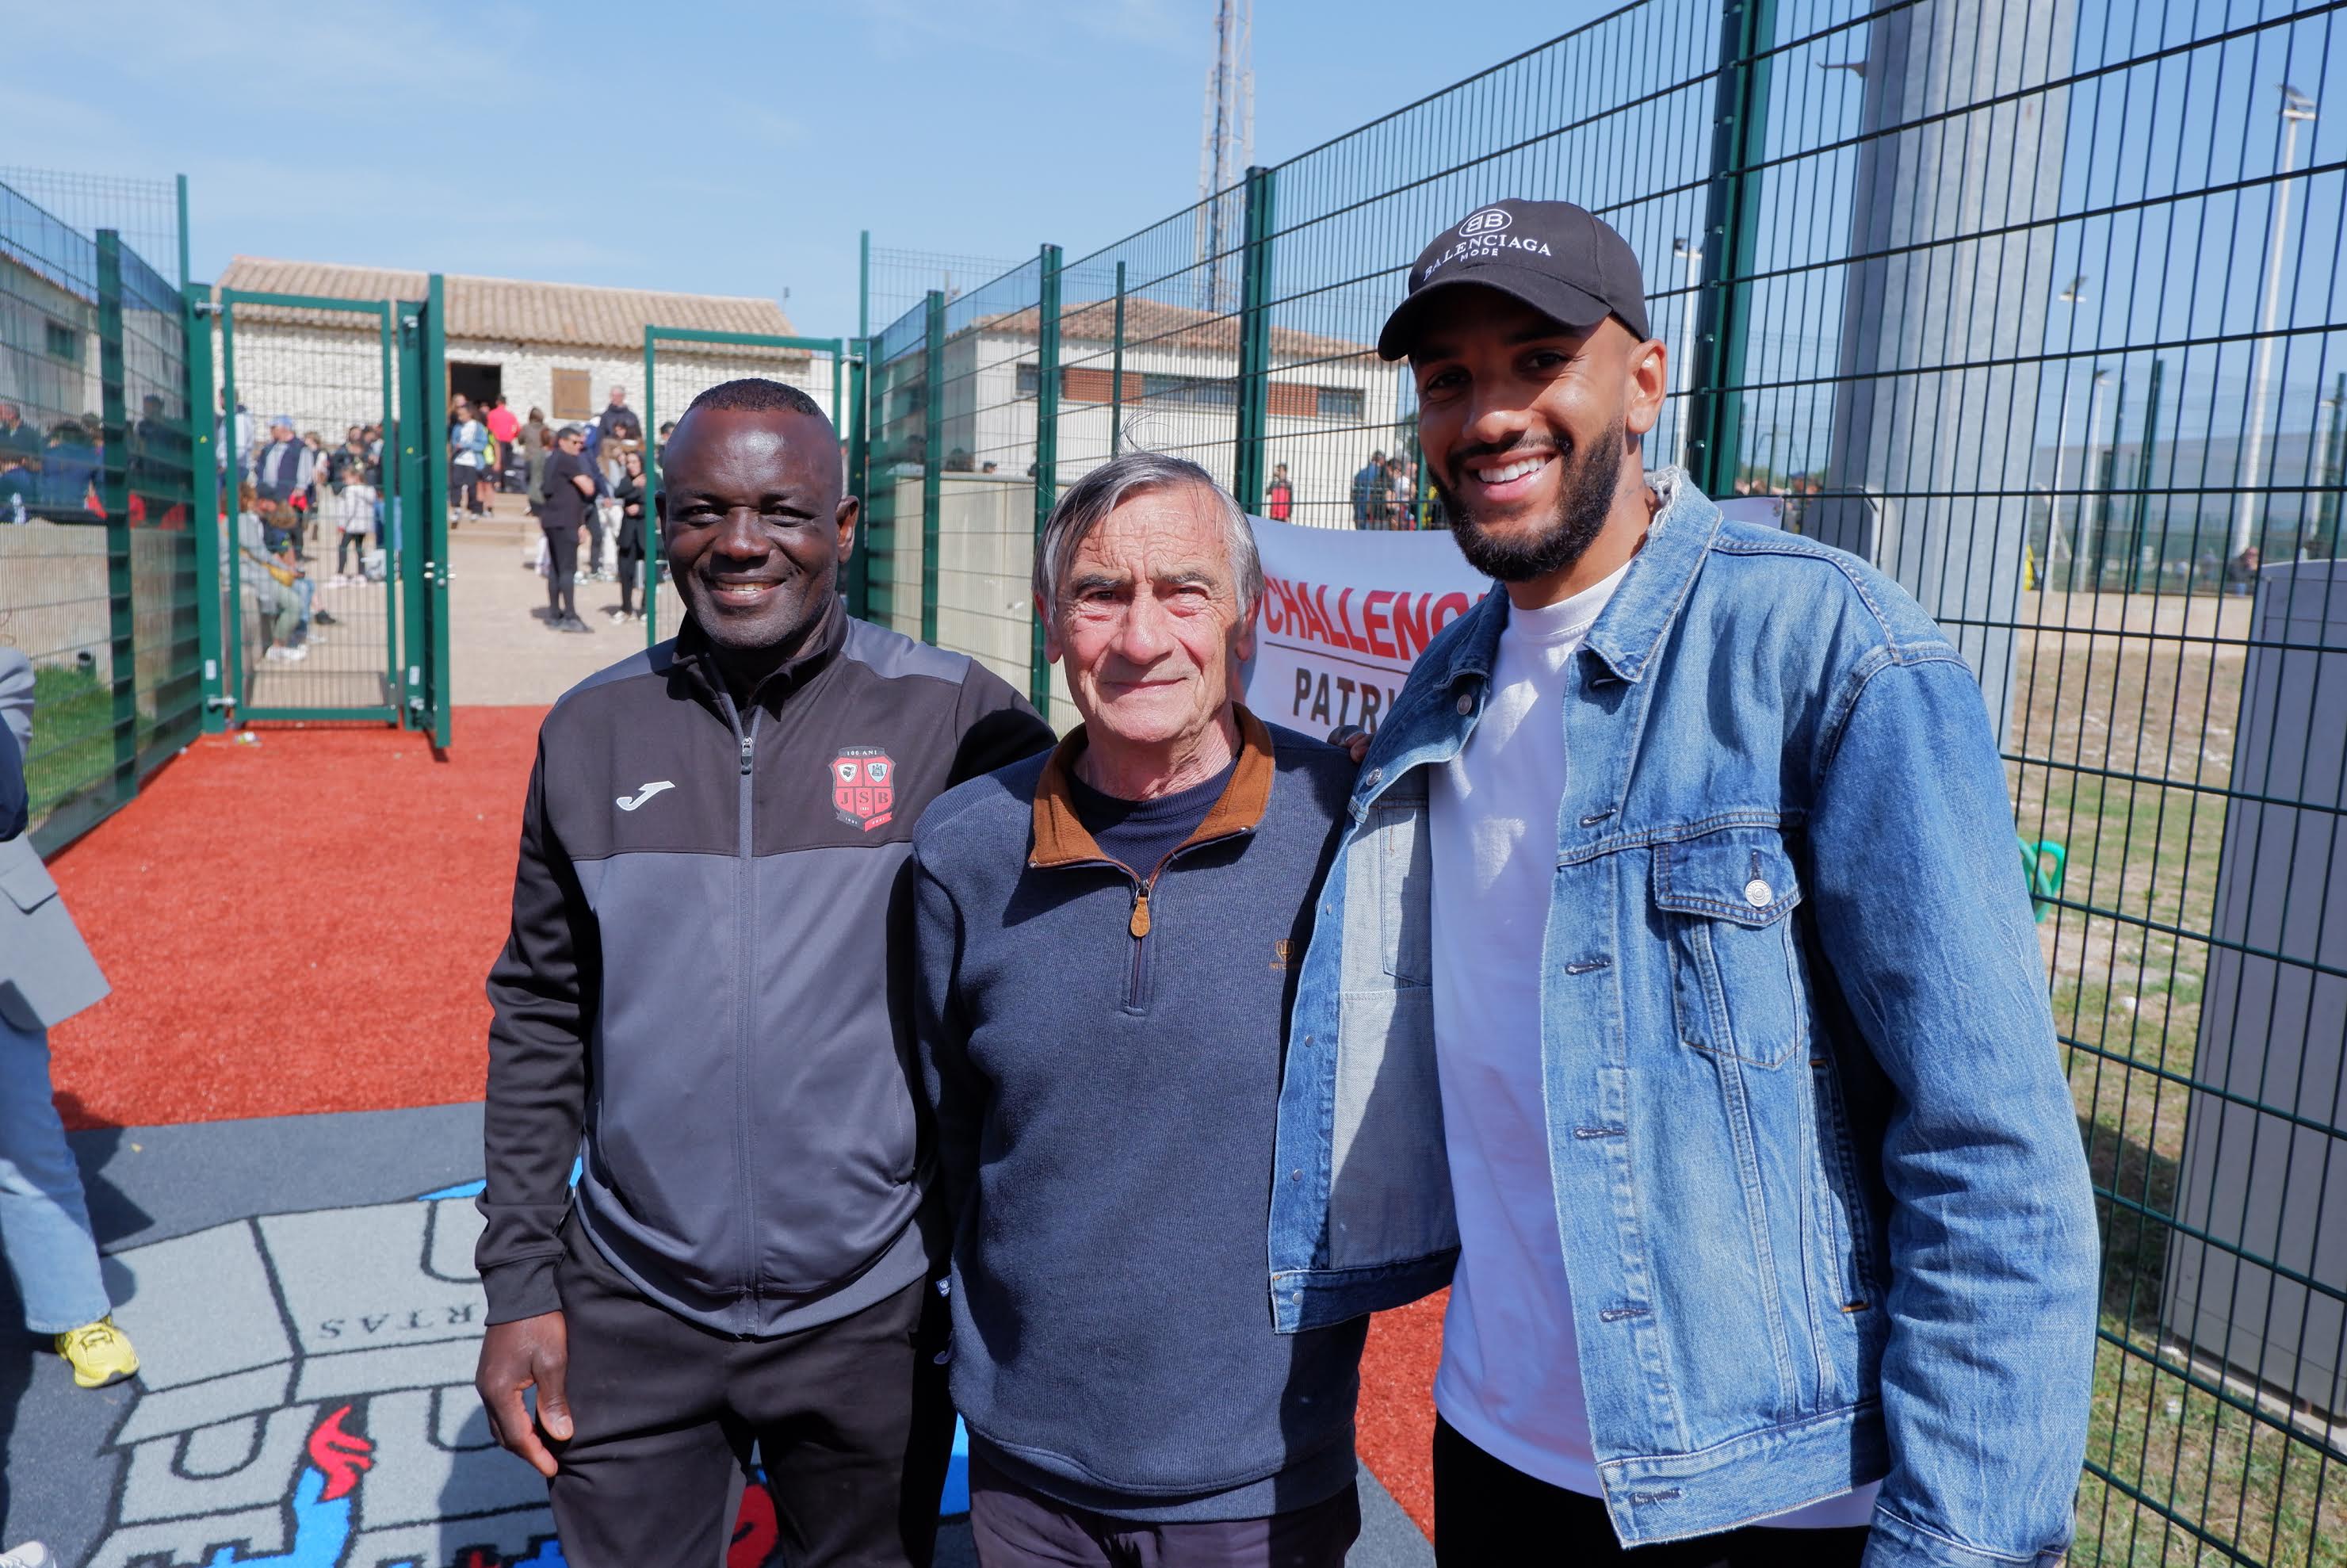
(204, 460)
(859, 440)
(1731, 238)
(232, 519)
(388, 328)
(435, 500)
(2142, 520)
(933, 442)
(652, 497)
(1255, 343)
(114, 495)
(405, 455)
(1047, 451)
(1116, 371)
(855, 570)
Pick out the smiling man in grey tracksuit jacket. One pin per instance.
(708, 984)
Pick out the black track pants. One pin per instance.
(562, 569)
(851, 1420)
(1489, 1513)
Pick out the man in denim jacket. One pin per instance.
(1676, 981)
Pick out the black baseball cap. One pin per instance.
(1562, 260)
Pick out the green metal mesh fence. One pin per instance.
(149, 214)
(311, 593)
(897, 280)
(97, 567)
(2035, 304)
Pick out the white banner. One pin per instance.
(1346, 613)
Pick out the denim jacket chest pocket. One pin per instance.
(1401, 855)
(1738, 984)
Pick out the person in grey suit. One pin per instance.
(47, 976)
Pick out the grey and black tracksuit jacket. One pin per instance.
(706, 993)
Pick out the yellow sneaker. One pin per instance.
(100, 1353)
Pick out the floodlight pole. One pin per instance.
(2085, 482)
(1691, 255)
(2072, 296)
(2297, 109)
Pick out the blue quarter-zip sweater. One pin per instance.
(1102, 1045)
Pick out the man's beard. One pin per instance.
(1585, 497)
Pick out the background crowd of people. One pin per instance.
(292, 493)
(59, 471)
(1385, 495)
(585, 477)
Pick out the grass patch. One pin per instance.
(72, 754)
(73, 735)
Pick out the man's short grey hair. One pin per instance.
(1087, 503)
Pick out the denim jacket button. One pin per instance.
(1466, 703)
(1375, 775)
(1758, 893)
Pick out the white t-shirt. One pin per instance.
(1509, 1381)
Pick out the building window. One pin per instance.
(1084, 383)
(1342, 403)
(1292, 400)
(1088, 383)
(574, 396)
(1193, 391)
(64, 342)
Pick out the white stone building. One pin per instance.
(1330, 401)
(559, 347)
(48, 344)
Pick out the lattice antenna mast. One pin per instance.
(1226, 148)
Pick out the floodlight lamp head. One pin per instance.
(2296, 105)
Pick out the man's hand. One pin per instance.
(1353, 739)
(514, 1357)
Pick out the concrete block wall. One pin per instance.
(986, 554)
(54, 605)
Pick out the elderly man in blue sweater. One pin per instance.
(1104, 940)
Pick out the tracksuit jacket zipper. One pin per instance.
(744, 924)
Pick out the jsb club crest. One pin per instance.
(863, 787)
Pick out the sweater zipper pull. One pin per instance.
(1139, 926)
(746, 754)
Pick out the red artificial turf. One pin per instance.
(304, 925)
(1395, 1422)
(300, 925)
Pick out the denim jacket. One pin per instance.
(1819, 1183)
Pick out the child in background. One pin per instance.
(356, 515)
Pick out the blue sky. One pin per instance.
(723, 148)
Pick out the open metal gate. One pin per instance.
(335, 522)
(829, 370)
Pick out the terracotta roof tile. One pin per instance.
(1162, 325)
(579, 315)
